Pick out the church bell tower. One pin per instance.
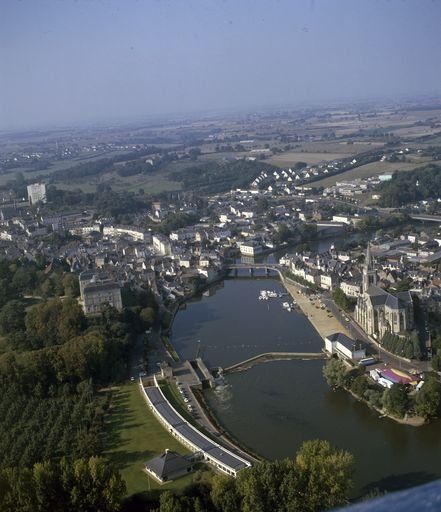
(369, 272)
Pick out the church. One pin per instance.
(378, 311)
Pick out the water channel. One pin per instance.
(273, 407)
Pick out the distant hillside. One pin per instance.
(214, 177)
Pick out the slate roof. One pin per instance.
(380, 297)
(167, 464)
(343, 340)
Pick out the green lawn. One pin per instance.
(133, 435)
(372, 169)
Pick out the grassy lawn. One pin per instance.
(372, 169)
(290, 158)
(133, 435)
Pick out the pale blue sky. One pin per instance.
(64, 61)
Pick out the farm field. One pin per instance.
(290, 158)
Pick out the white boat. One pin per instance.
(285, 305)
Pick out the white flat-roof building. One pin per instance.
(345, 347)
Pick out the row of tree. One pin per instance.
(41, 425)
(83, 485)
(399, 400)
(409, 347)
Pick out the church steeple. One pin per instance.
(369, 272)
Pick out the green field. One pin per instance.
(372, 169)
(315, 152)
(133, 435)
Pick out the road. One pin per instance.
(372, 347)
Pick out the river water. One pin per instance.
(273, 407)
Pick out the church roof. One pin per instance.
(380, 297)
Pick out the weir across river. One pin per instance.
(272, 356)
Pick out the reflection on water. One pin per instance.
(275, 406)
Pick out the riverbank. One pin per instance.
(323, 322)
(412, 421)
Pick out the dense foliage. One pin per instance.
(409, 347)
(342, 301)
(319, 478)
(409, 187)
(84, 485)
(335, 372)
(104, 201)
(40, 426)
(54, 359)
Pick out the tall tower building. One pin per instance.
(36, 193)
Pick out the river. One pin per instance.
(273, 407)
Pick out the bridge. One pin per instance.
(270, 266)
(251, 267)
(427, 218)
(273, 356)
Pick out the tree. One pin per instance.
(148, 316)
(396, 400)
(71, 285)
(342, 301)
(359, 385)
(83, 485)
(428, 399)
(373, 396)
(325, 475)
(283, 234)
(436, 362)
(259, 487)
(224, 494)
(194, 153)
(95, 485)
(334, 372)
(12, 317)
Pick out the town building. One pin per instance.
(161, 244)
(345, 347)
(168, 466)
(251, 248)
(36, 193)
(96, 291)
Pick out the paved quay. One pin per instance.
(319, 318)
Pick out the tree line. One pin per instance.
(83, 485)
(409, 187)
(399, 400)
(318, 478)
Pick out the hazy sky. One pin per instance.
(65, 61)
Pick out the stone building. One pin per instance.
(96, 292)
(378, 311)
